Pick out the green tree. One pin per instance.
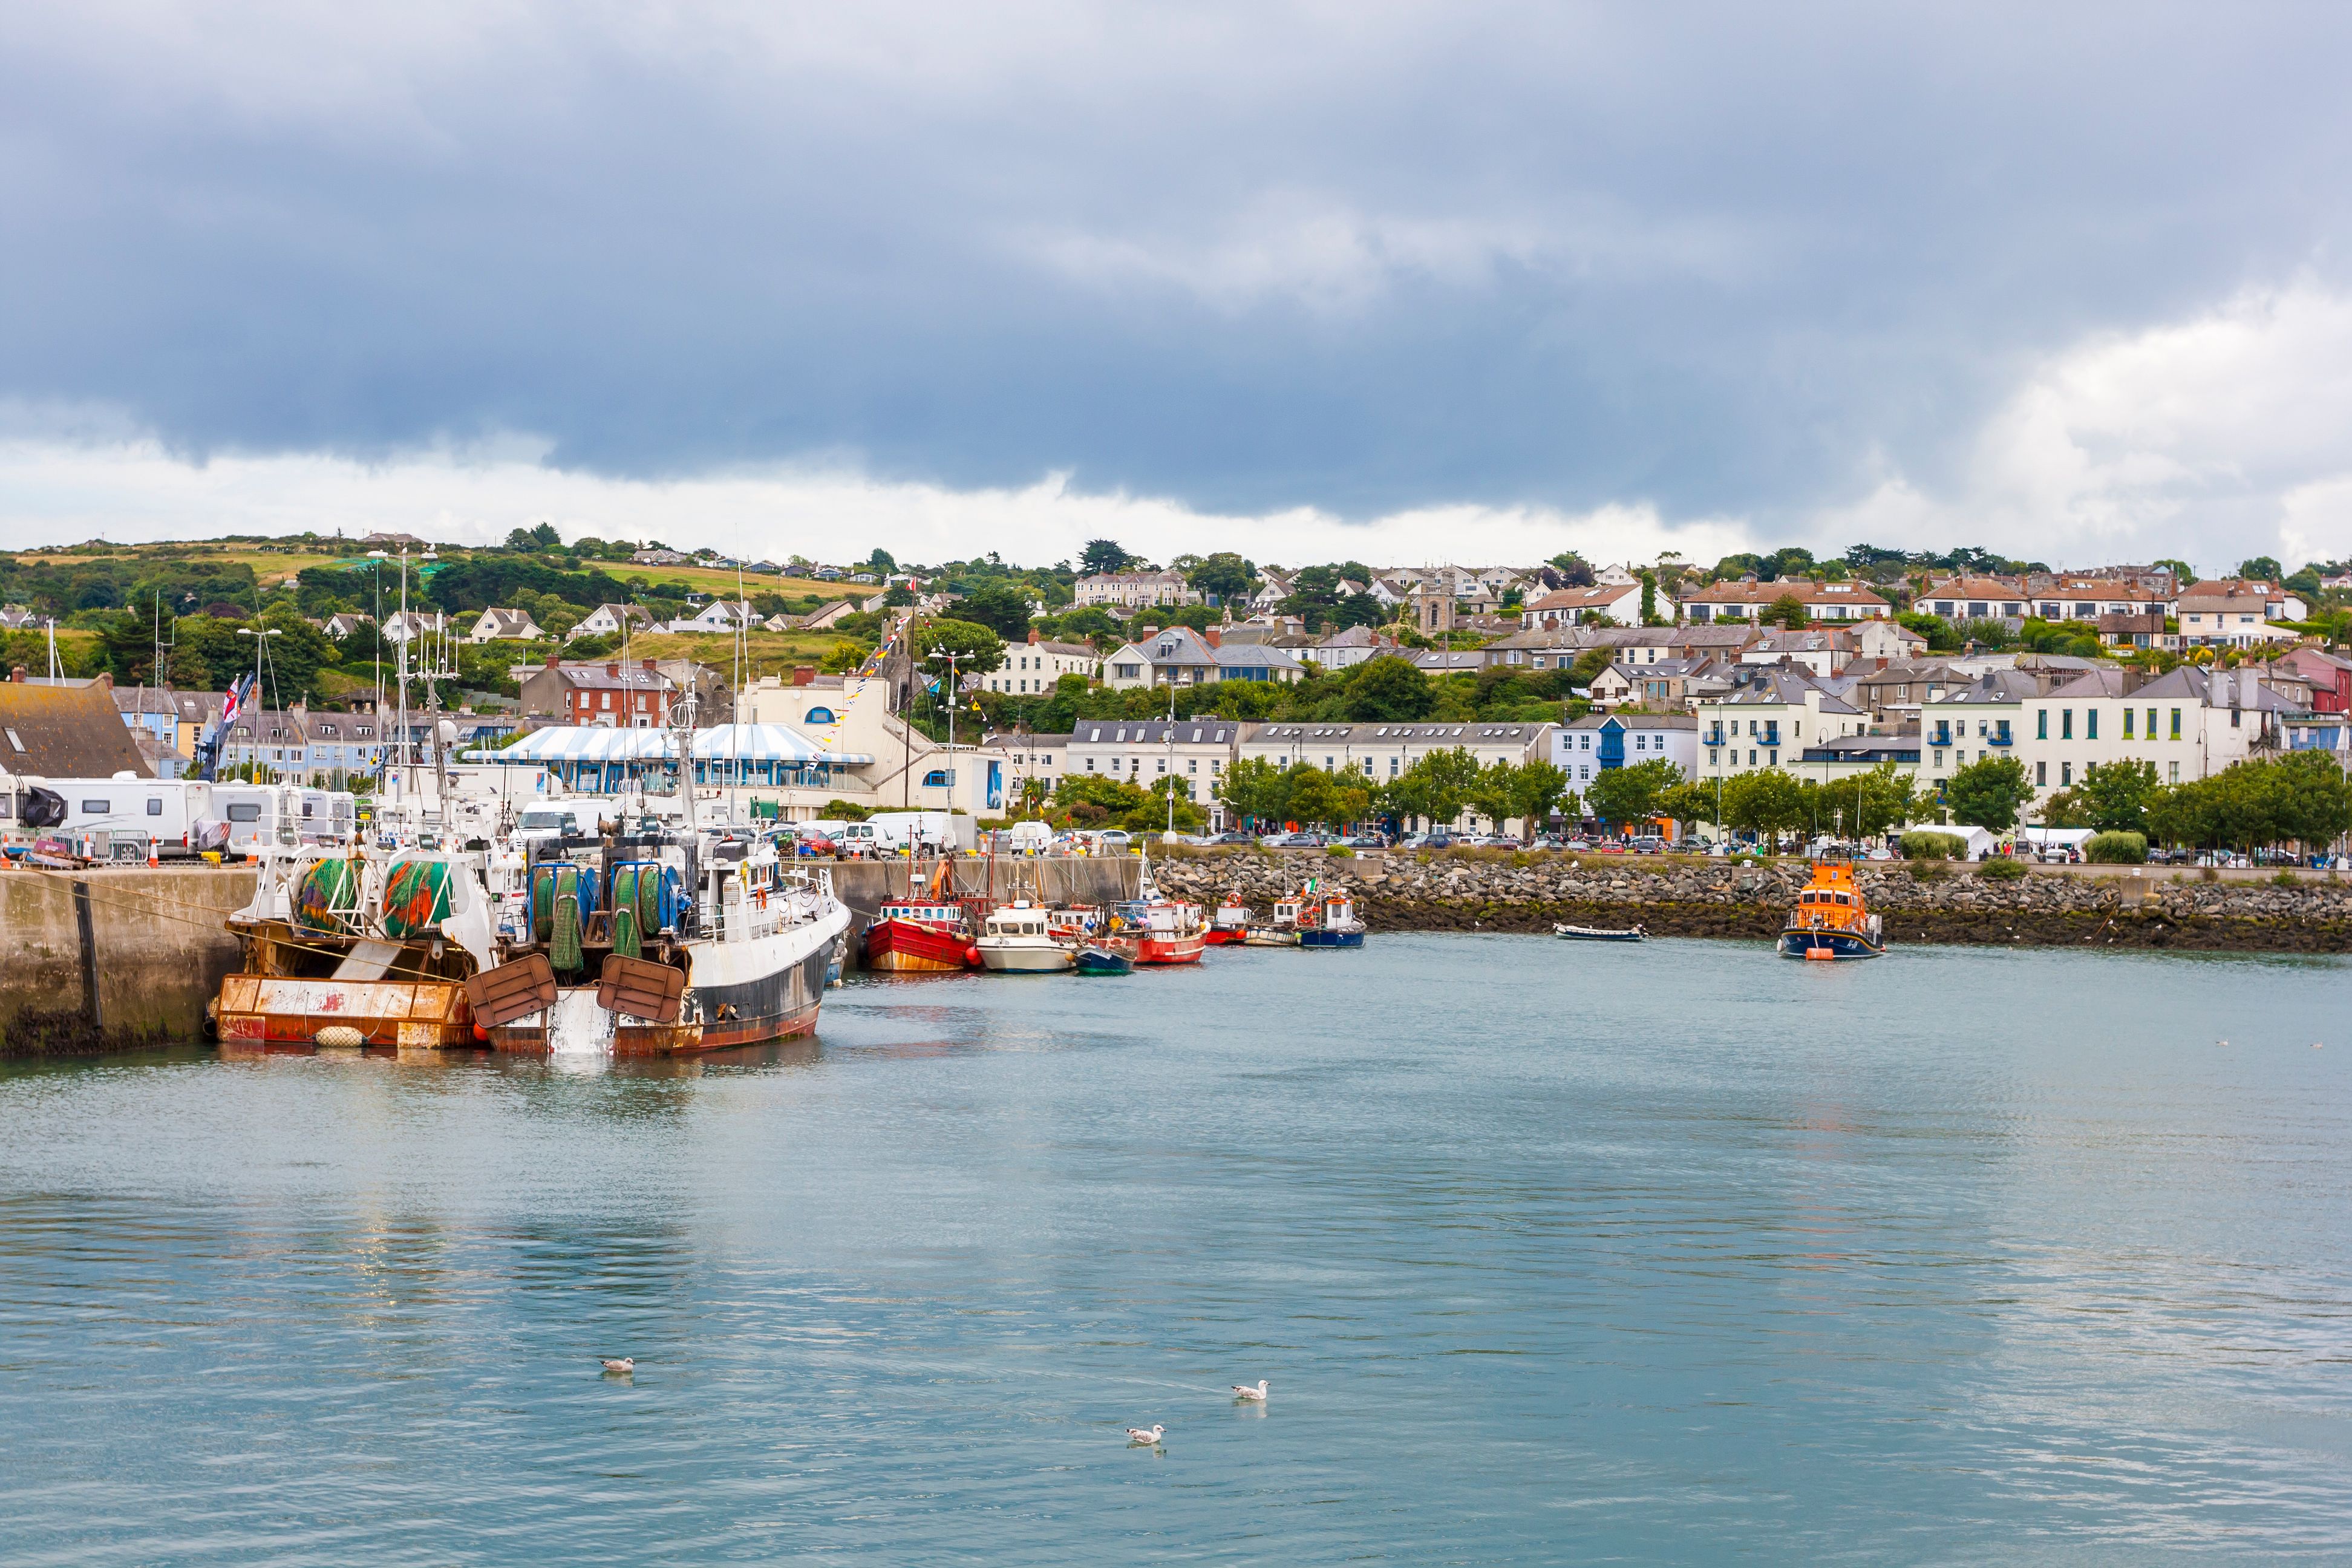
(2261, 569)
(1988, 794)
(1002, 607)
(1788, 610)
(1649, 597)
(2182, 573)
(1588, 666)
(1688, 802)
(1388, 690)
(1766, 801)
(1624, 797)
(1101, 555)
(1223, 575)
(1871, 802)
(1328, 800)
(1254, 790)
(980, 649)
(2114, 795)
(1440, 786)
(1537, 788)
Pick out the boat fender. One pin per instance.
(971, 955)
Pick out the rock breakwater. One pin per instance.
(1673, 896)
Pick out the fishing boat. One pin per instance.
(1151, 928)
(622, 946)
(1599, 934)
(1228, 922)
(1098, 959)
(655, 941)
(1329, 919)
(1018, 938)
(922, 935)
(1829, 920)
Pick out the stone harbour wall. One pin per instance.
(1673, 896)
(102, 959)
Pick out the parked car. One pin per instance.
(1609, 846)
(1439, 840)
(1113, 841)
(1231, 835)
(1365, 841)
(1649, 844)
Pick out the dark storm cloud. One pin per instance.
(1726, 260)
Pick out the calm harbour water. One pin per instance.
(1677, 1252)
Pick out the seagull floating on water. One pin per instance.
(1145, 1435)
(620, 1364)
(1245, 1390)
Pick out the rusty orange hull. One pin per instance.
(275, 1010)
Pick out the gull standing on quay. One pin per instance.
(1247, 1392)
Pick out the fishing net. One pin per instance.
(415, 898)
(327, 897)
(564, 945)
(625, 932)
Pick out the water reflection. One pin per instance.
(1663, 1254)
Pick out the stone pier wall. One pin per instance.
(1671, 896)
(154, 955)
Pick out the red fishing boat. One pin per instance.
(1228, 922)
(1151, 928)
(931, 933)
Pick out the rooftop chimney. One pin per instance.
(614, 669)
(106, 680)
(18, 674)
(648, 663)
(1033, 634)
(1217, 637)
(554, 659)
(804, 675)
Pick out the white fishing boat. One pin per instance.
(1019, 939)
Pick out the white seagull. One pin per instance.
(1244, 1391)
(1146, 1435)
(619, 1363)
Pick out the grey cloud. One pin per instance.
(1730, 261)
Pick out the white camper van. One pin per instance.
(126, 806)
(258, 814)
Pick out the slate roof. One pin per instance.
(65, 732)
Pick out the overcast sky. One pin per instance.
(1461, 282)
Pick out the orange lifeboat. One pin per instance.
(1828, 920)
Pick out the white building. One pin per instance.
(1143, 751)
(1769, 721)
(2191, 724)
(1028, 756)
(2236, 614)
(1748, 599)
(1135, 590)
(1378, 753)
(1585, 748)
(606, 620)
(1183, 657)
(504, 625)
(1031, 667)
(1618, 602)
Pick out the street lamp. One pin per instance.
(260, 641)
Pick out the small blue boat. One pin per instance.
(1103, 961)
(1320, 919)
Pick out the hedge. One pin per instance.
(1933, 846)
(2115, 849)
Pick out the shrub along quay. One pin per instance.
(1921, 901)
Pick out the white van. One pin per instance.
(166, 810)
(929, 830)
(257, 814)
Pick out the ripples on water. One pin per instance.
(1674, 1252)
